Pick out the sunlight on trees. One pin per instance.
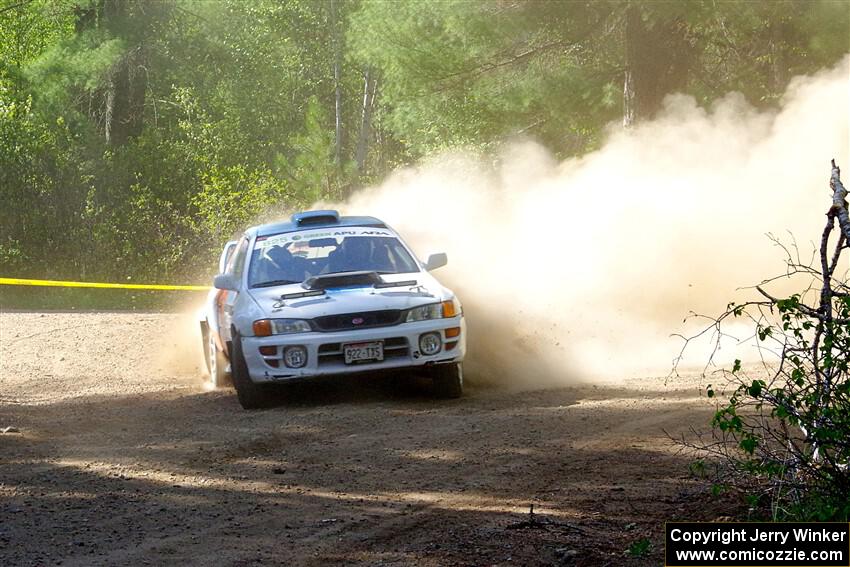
(135, 137)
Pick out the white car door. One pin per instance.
(235, 268)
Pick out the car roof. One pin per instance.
(323, 219)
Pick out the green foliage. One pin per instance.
(11, 254)
(137, 136)
(79, 63)
(461, 73)
(25, 33)
(313, 169)
(232, 197)
(791, 428)
(82, 299)
(760, 46)
(639, 548)
(236, 124)
(469, 73)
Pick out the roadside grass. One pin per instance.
(26, 298)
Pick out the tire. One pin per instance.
(251, 396)
(448, 380)
(216, 362)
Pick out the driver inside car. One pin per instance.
(282, 265)
(352, 255)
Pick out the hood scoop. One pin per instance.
(351, 279)
(343, 279)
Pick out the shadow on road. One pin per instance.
(347, 473)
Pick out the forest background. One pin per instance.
(136, 136)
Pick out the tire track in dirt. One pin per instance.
(124, 457)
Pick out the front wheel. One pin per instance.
(251, 396)
(448, 380)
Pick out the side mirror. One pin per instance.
(436, 261)
(225, 281)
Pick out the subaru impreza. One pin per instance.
(324, 294)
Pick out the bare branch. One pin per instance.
(839, 200)
(11, 7)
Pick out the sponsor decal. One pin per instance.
(280, 239)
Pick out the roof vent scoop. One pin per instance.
(309, 218)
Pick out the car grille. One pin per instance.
(365, 320)
(395, 347)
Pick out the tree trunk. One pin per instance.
(633, 26)
(777, 56)
(658, 55)
(370, 87)
(839, 201)
(628, 99)
(125, 99)
(119, 104)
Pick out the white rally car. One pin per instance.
(324, 294)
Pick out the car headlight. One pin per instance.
(450, 308)
(425, 312)
(268, 327)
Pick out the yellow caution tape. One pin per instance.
(57, 283)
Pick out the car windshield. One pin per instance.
(293, 257)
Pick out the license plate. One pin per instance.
(359, 352)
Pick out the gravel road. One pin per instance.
(122, 456)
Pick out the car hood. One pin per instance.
(350, 299)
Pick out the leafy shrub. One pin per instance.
(785, 432)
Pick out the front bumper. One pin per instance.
(325, 354)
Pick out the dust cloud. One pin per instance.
(584, 268)
(180, 346)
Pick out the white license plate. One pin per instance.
(359, 352)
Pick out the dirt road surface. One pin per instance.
(123, 457)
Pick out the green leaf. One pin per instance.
(749, 444)
(755, 388)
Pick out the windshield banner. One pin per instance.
(279, 239)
